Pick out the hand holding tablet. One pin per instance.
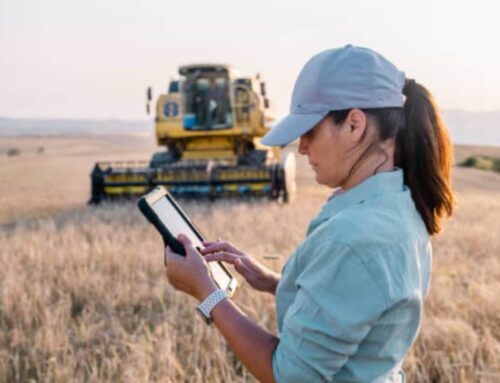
(160, 208)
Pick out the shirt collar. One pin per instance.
(391, 181)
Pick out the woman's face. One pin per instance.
(327, 146)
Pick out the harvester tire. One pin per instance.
(255, 158)
(289, 167)
(285, 185)
(161, 159)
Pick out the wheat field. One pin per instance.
(84, 298)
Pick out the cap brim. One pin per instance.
(290, 128)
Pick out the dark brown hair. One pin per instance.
(423, 150)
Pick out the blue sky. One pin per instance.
(94, 59)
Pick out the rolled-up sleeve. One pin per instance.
(337, 303)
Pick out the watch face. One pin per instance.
(207, 320)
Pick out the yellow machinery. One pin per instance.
(210, 122)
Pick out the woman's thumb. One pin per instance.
(186, 242)
(184, 239)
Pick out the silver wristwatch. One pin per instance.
(209, 303)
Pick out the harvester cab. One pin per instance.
(209, 123)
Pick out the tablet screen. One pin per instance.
(176, 224)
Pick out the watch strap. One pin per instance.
(210, 302)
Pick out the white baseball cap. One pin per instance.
(338, 79)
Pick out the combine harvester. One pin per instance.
(210, 123)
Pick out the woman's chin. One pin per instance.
(325, 181)
(319, 179)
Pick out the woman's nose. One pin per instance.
(302, 146)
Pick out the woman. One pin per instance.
(349, 300)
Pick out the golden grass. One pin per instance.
(84, 296)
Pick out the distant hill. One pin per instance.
(69, 127)
(468, 128)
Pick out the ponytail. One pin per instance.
(424, 152)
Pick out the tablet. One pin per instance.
(160, 208)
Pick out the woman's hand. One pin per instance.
(189, 273)
(257, 275)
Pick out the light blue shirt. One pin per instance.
(349, 302)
